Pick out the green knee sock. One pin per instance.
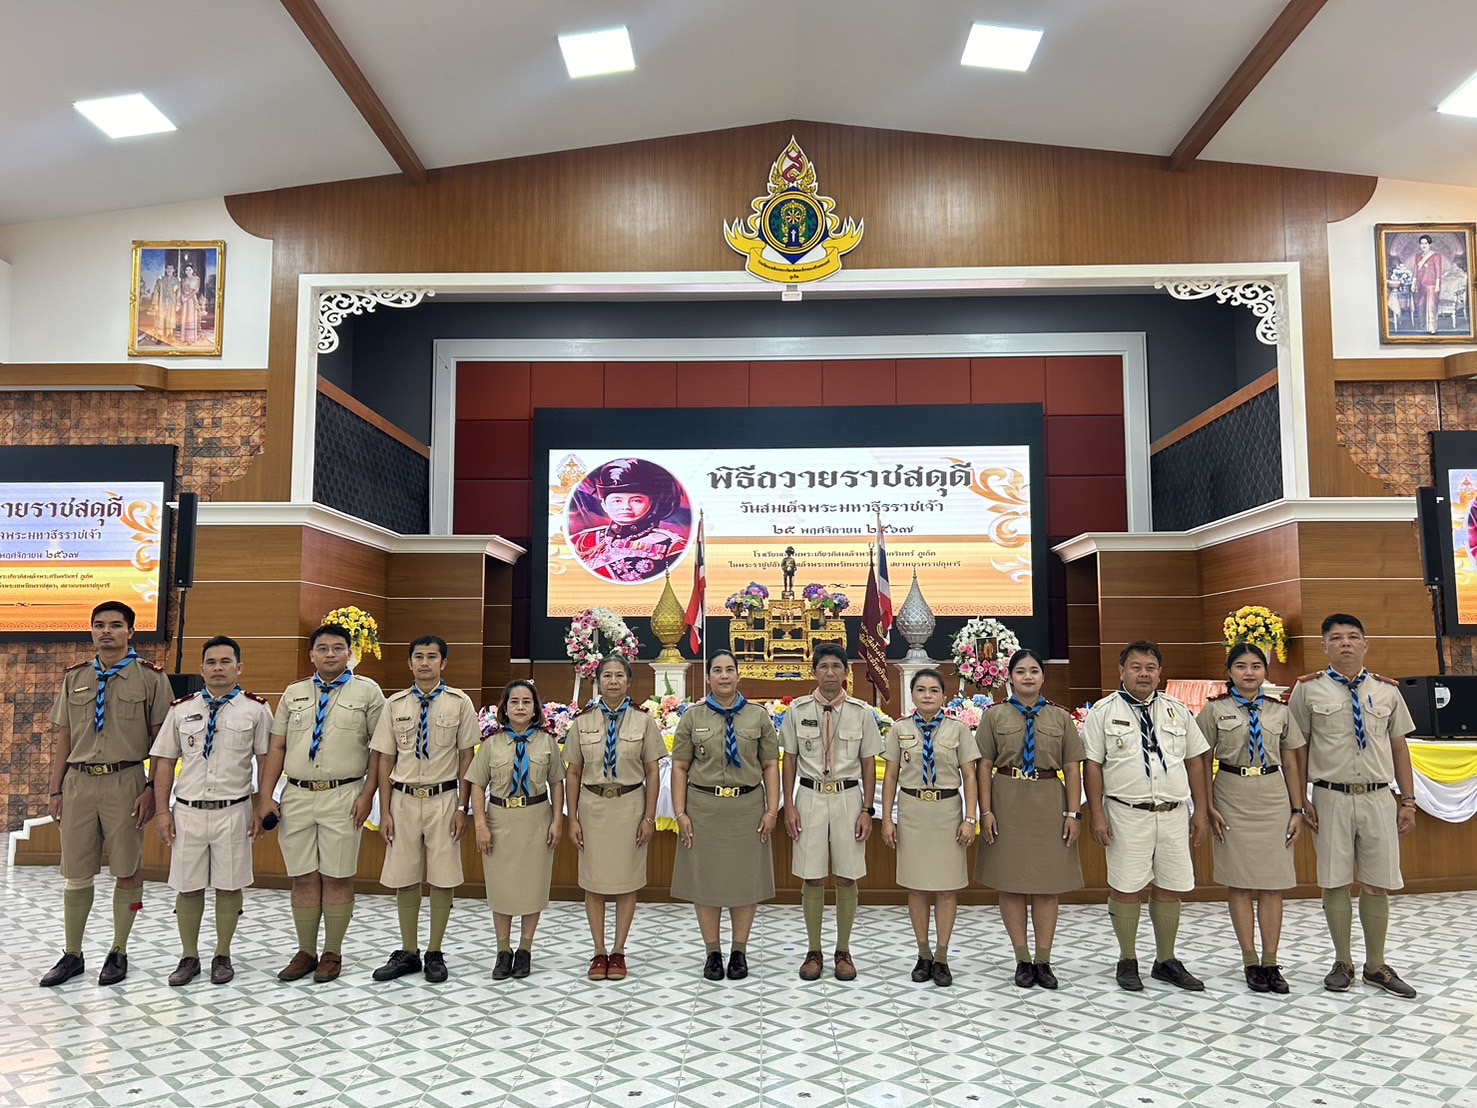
(1374, 921)
(305, 921)
(440, 914)
(1249, 956)
(713, 948)
(408, 903)
(227, 912)
(336, 919)
(1165, 917)
(1338, 909)
(813, 906)
(504, 946)
(1043, 956)
(126, 906)
(1269, 957)
(941, 954)
(847, 899)
(189, 911)
(76, 906)
(924, 950)
(1022, 953)
(525, 942)
(1125, 916)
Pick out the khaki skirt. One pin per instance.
(1255, 853)
(929, 859)
(727, 867)
(1028, 855)
(611, 863)
(520, 868)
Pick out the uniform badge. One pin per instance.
(809, 744)
(907, 755)
(702, 752)
(1120, 744)
(190, 741)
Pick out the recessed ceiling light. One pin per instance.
(1463, 101)
(125, 116)
(992, 47)
(594, 52)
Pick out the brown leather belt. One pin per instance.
(610, 792)
(211, 805)
(1148, 806)
(102, 769)
(423, 792)
(933, 794)
(1358, 789)
(322, 786)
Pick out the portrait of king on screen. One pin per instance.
(628, 521)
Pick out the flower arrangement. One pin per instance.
(364, 632)
(833, 603)
(748, 600)
(1259, 626)
(980, 650)
(967, 709)
(1079, 716)
(582, 640)
(556, 717)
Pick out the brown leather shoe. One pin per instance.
(811, 968)
(616, 968)
(845, 967)
(329, 966)
(599, 967)
(187, 970)
(301, 965)
(221, 972)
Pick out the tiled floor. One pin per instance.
(666, 1037)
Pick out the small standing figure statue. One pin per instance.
(788, 567)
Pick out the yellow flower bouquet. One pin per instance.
(1259, 626)
(364, 632)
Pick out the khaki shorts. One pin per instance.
(1357, 833)
(317, 832)
(1149, 848)
(422, 823)
(211, 848)
(97, 814)
(827, 842)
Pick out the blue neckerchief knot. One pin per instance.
(423, 731)
(1147, 738)
(1254, 707)
(613, 718)
(1353, 687)
(215, 706)
(521, 786)
(103, 676)
(1028, 759)
(324, 692)
(730, 735)
(927, 728)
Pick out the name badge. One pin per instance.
(192, 719)
(405, 719)
(810, 723)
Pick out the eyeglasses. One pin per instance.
(321, 649)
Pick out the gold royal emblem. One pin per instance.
(794, 234)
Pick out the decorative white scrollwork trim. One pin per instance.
(1259, 296)
(334, 305)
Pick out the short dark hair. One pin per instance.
(538, 706)
(221, 640)
(1343, 618)
(722, 652)
(1141, 646)
(614, 659)
(828, 650)
(115, 606)
(332, 629)
(922, 673)
(1426, 238)
(430, 640)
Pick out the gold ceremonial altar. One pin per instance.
(776, 642)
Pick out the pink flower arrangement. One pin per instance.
(556, 719)
(582, 640)
(747, 600)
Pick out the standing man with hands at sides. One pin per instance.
(1356, 723)
(107, 713)
(1139, 745)
(831, 742)
(424, 743)
(218, 734)
(321, 738)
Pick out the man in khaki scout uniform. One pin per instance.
(107, 713)
(425, 739)
(1145, 760)
(1355, 722)
(321, 738)
(216, 735)
(831, 743)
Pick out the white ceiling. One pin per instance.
(478, 80)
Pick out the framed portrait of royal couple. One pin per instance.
(178, 293)
(1424, 278)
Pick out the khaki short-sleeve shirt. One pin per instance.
(801, 736)
(638, 739)
(492, 766)
(1324, 712)
(701, 737)
(1112, 738)
(451, 725)
(953, 749)
(243, 731)
(1226, 725)
(135, 702)
(354, 710)
(1001, 738)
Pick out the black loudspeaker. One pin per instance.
(1442, 707)
(1433, 518)
(184, 540)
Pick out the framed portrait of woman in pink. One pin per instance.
(1424, 281)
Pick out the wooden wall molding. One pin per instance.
(131, 375)
(372, 417)
(332, 522)
(1210, 415)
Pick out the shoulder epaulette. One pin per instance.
(1386, 680)
(79, 665)
(253, 696)
(150, 665)
(181, 700)
(639, 708)
(1307, 677)
(587, 708)
(1219, 696)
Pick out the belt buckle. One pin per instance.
(1358, 790)
(517, 802)
(422, 792)
(830, 787)
(1254, 771)
(1164, 806)
(319, 787)
(928, 794)
(97, 770)
(725, 792)
(610, 792)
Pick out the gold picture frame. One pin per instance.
(177, 299)
(1424, 282)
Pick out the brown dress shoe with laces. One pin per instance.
(599, 967)
(187, 970)
(812, 967)
(615, 968)
(221, 970)
(301, 965)
(845, 967)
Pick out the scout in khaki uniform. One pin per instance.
(726, 793)
(1030, 820)
(1256, 808)
(1355, 722)
(217, 736)
(1145, 760)
(321, 738)
(930, 761)
(107, 713)
(831, 743)
(425, 738)
(614, 751)
(519, 777)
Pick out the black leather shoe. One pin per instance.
(1340, 978)
(923, 970)
(401, 962)
(66, 969)
(1174, 972)
(738, 965)
(1256, 979)
(1275, 981)
(502, 969)
(187, 970)
(1128, 975)
(1387, 979)
(435, 967)
(713, 967)
(522, 963)
(1025, 975)
(115, 968)
(941, 975)
(1044, 977)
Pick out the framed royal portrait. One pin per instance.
(1424, 277)
(179, 289)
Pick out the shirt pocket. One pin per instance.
(129, 703)
(406, 730)
(1172, 739)
(236, 734)
(1377, 719)
(444, 727)
(351, 720)
(81, 705)
(1121, 739)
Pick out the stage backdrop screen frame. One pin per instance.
(72, 477)
(629, 432)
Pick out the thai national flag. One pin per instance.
(884, 589)
(696, 612)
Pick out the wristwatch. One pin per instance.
(872, 811)
(1300, 811)
(1072, 815)
(1407, 802)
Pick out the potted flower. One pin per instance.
(1259, 626)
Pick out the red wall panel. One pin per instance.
(492, 390)
(640, 384)
(712, 384)
(933, 381)
(493, 448)
(1008, 380)
(567, 384)
(859, 383)
(784, 384)
(1084, 386)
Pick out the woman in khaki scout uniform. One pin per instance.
(929, 760)
(1256, 811)
(614, 755)
(726, 792)
(1029, 819)
(520, 771)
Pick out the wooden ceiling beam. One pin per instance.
(324, 39)
(1264, 55)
